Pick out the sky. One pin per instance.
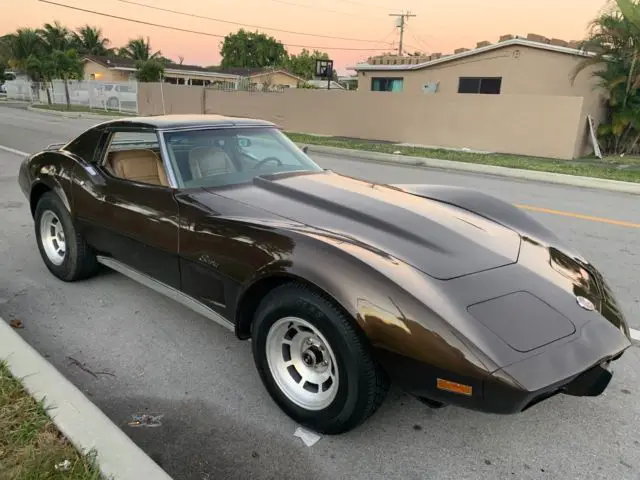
(364, 25)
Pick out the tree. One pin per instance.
(21, 45)
(614, 40)
(149, 70)
(67, 66)
(304, 64)
(252, 50)
(41, 69)
(56, 37)
(89, 40)
(5, 49)
(139, 49)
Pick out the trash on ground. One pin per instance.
(309, 438)
(146, 420)
(16, 324)
(64, 466)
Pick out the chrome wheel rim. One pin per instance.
(52, 237)
(302, 363)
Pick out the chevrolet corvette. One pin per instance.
(343, 286)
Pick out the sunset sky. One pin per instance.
(440, 25)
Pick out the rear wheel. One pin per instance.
(314, 362)
(62, 248)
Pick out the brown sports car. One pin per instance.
(342, 285)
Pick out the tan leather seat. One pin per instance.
(208, 161)
(141, 165)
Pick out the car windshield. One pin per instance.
(229, 156)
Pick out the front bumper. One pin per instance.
(579, 366)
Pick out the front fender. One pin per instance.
(399, 309)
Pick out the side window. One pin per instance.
(135, 156)
(85, 145)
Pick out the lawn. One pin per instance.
(31, 448)
(82, 109)
(613, 168)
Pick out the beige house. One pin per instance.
(533, 65)
(114, 69)
(263, 78)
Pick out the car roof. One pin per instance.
(173, 122)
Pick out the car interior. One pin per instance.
(138, 165)
(199, 158)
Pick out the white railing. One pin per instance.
(92, 94)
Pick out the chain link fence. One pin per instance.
(87, 94)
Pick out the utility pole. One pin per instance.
(403, 17)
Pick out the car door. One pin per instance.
(126, 207)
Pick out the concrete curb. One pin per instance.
(55, 113)
(77, 418)
(533, 175)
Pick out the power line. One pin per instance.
(244, 24)
(318, 7)
(416, 37)
(365, 4)
(195, 31)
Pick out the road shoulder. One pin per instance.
(75, 114)
(532, 175)
(75, 416)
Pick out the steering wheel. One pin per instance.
(268, 159)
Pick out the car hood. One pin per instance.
(439, 239)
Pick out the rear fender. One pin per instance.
(41, 186)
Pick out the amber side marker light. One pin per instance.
(454, 387)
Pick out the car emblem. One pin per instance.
(585, 303)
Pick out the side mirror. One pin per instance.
(244, 142)
(305, 149)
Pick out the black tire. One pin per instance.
(113, 103)
(362, 384)
(79, 260)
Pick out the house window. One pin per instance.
(488, 85)
(387, 84)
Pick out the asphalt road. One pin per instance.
(133, 351)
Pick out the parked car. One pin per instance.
(343, 285)
(114, 95)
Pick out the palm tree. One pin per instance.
(60, 60)
(5, 48)
(21, 45)
(56, 37)
(67, 65)
(614, 41)
(89, 40)
(139, 49)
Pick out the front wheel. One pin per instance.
(314, 362)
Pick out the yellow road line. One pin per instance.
(580, 216)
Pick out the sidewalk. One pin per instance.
(75, 416)
(523, 174)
